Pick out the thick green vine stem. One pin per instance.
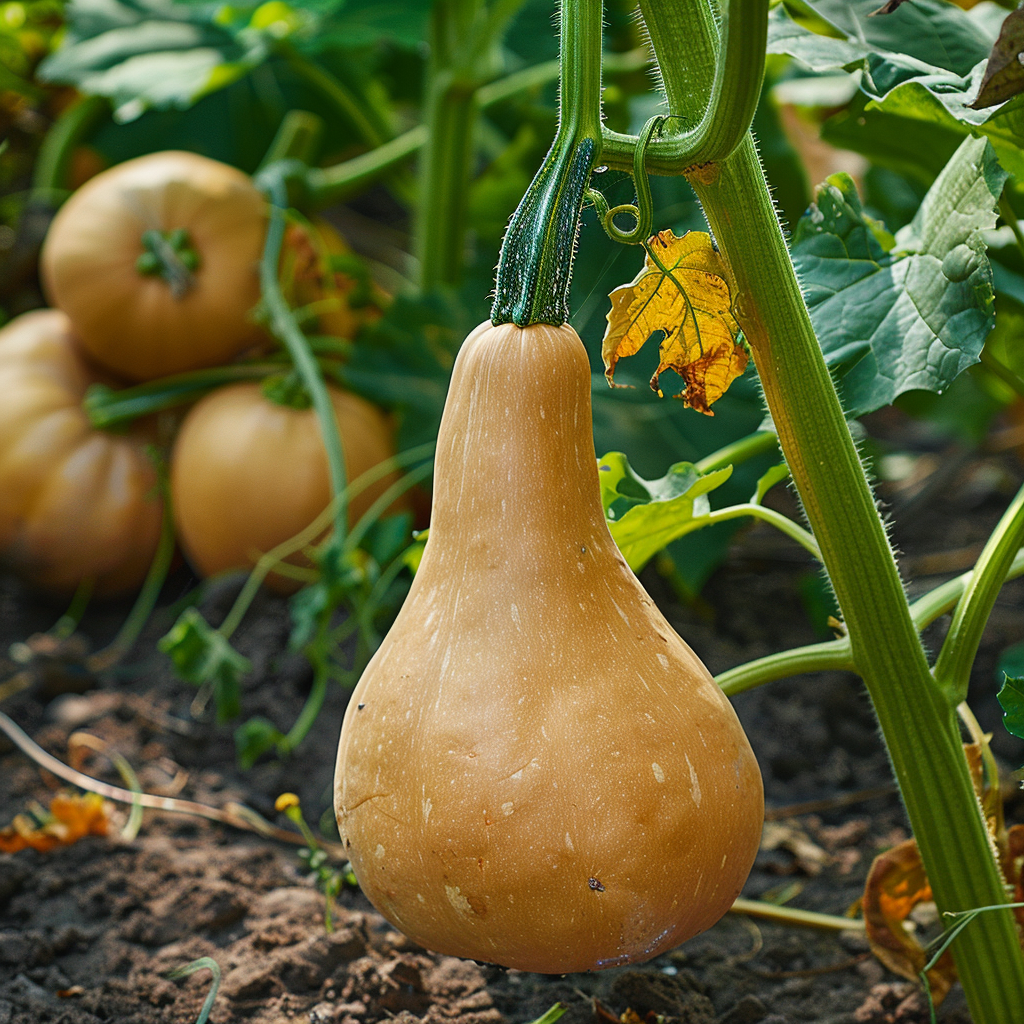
(726, 109)
(919, 726)
(535, 265)
(462, 36)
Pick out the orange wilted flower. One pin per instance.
(71, 816)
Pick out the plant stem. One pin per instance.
(757, 443)
(283, 324)
(297, 138)
(768, 515)
(1007, 211)
(329, 86)
(318, 691)
(132, 626)
(328, 185)
(953, 666)
(917, 722)
(268, 561)
(108, 408)
(835, 654)
(831, 656)
(535, 266)
(925, 610)
(792, 915)
(445, 171)
(1012, 380)
(723, 117)
(74, 125)
(462, 33)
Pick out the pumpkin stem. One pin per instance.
(171, 255)
(535, 265)
(286, 389)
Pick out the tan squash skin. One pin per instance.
(75, 502)
(248, 474)
(132, 323)
(534, 769)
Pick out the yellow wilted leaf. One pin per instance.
(70, 818)
(682, 290)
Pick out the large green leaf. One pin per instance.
(161, 54)
(923, 63)
(646, 515)
(893, 315)
(926, 35)
(943, 99)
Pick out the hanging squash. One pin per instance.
(534, 769)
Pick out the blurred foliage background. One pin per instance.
(883, 99)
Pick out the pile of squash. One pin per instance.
(152, 268)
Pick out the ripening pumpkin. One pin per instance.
(341, 301)
(534, 769)
(156, 262)
(247, 474)
(76, 503)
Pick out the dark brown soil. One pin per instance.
(90, 932)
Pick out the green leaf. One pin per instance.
(942, 100)
(388, 537)
(413, 554)
(646, 515)
(924, 34)
(774, 476)
(202, 654)
(908, 314)
(254, 738)
(1011, 662)
(160, 54)
(359, 23)
(1011, 698)
(923, 63)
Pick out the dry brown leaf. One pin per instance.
(810, 858)
(71, 817)
(692, 305)
(895, 885)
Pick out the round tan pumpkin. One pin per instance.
(144, 326)
(247, 474)
(75, 503)
(534, 769)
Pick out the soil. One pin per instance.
(90, 932)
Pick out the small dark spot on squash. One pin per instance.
(595, 884)
(359, 707)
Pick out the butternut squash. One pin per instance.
(534, 769)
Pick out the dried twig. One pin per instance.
(233, 814)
